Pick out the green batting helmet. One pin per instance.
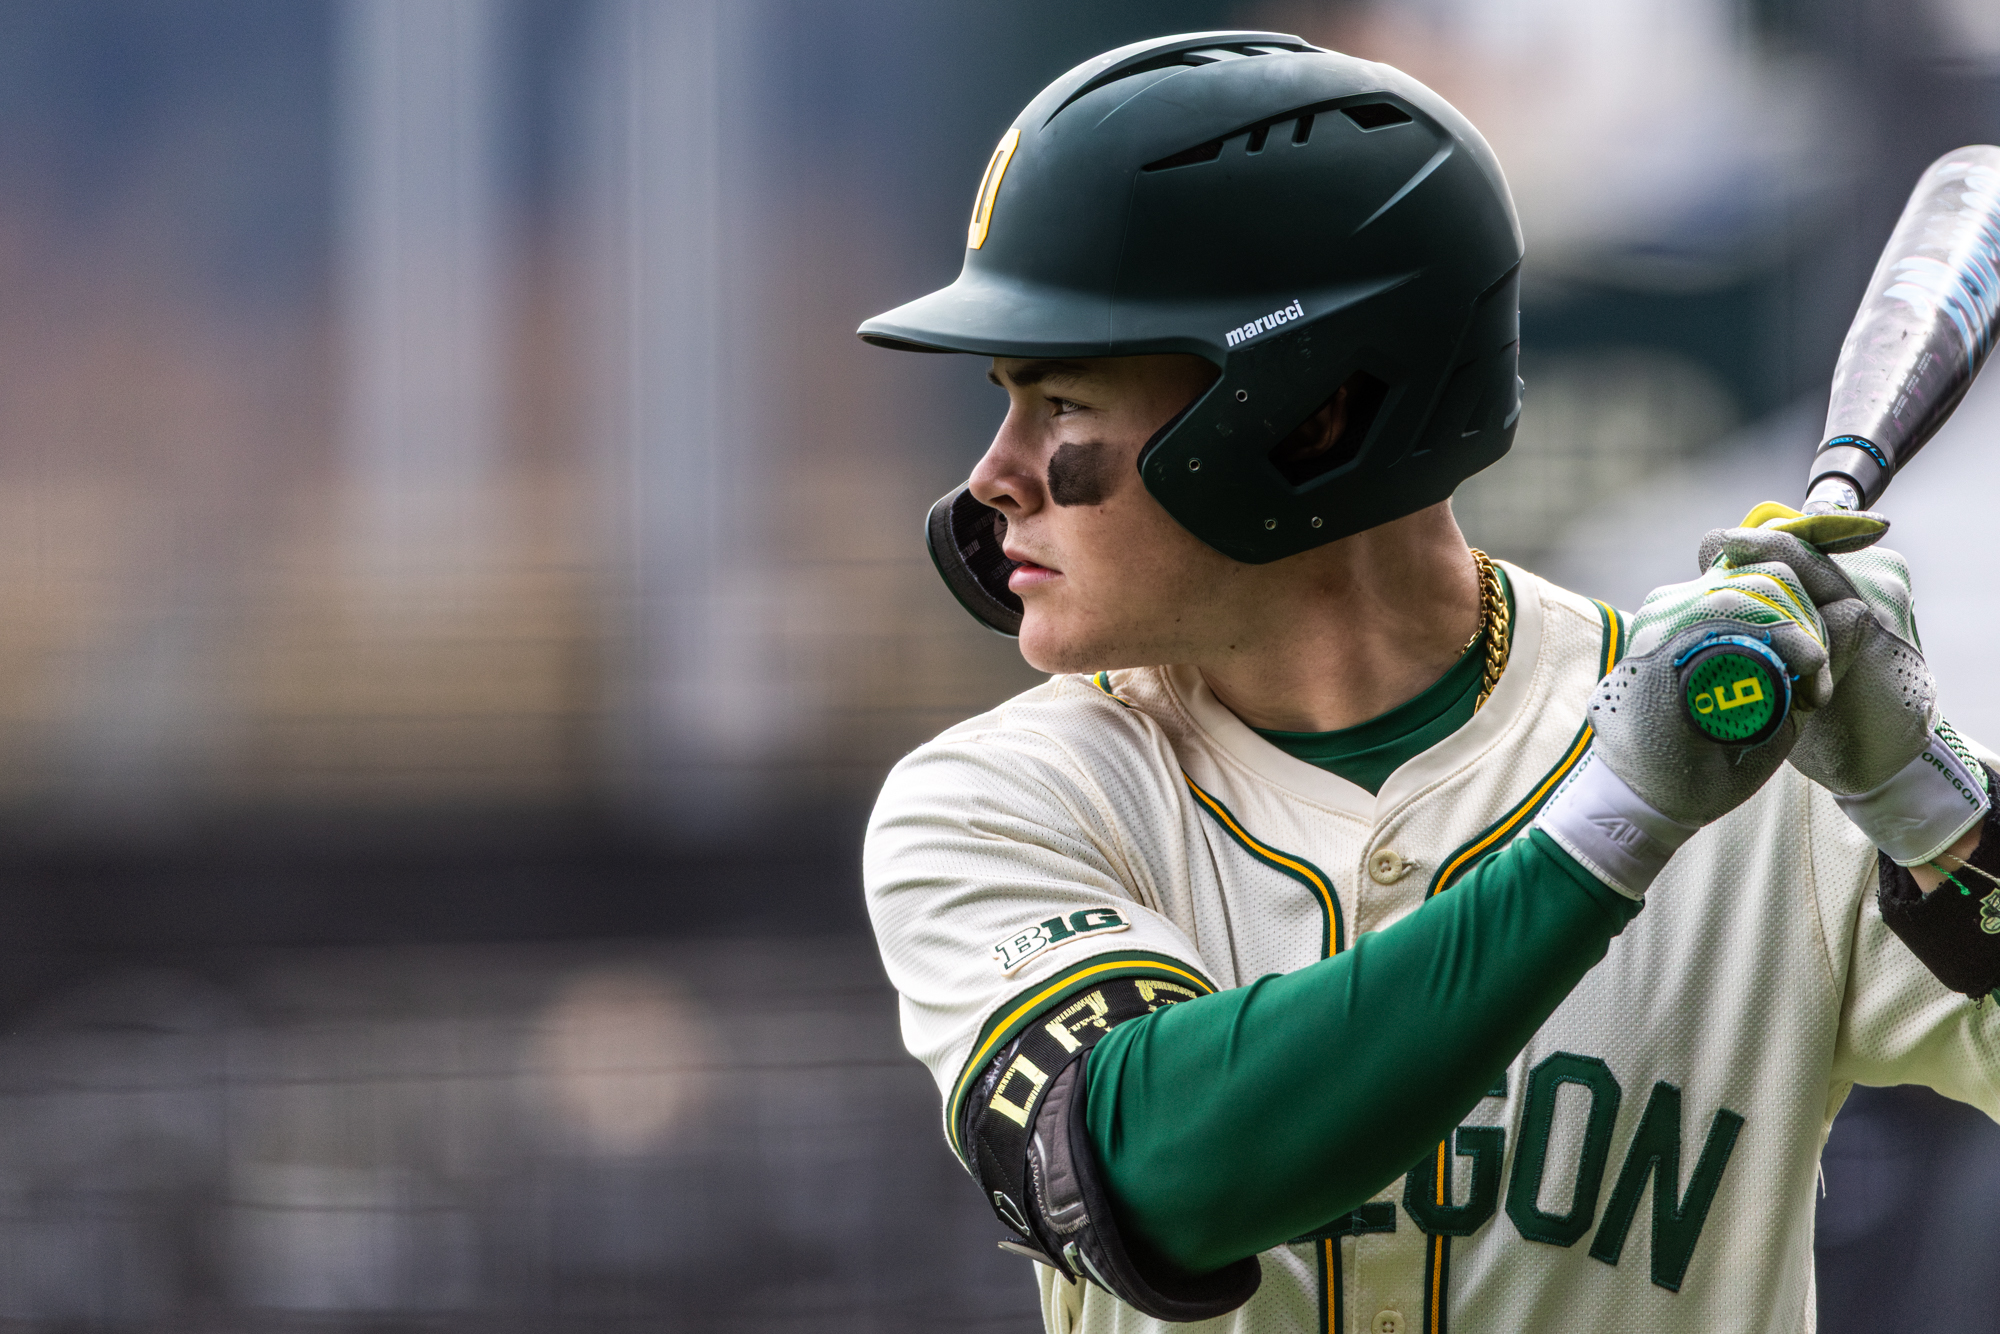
(1304, 220)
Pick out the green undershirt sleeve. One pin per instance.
(1227, 1125)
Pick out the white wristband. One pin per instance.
(1610, 829)
(1924, 809)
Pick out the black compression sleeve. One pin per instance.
(1955, 929)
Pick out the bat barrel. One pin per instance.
(1926, 325)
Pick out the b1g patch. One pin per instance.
(1022, 946)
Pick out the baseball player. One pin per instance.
(1354, 933)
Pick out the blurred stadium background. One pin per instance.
(460, 586)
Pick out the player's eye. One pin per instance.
(1062, 407)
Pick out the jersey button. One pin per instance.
(1386, 867)
(1388, 1322)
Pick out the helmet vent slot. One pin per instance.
(1187, 157)
(1375, 115)
(1366, 115)
(1332, 437)
(1204, 55)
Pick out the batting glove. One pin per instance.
(1898, 770)
(1652, 778)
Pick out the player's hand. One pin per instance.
(1640, 713)
(1879, 746)
(1884, 701)
(1652, 780)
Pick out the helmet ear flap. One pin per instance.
(964, 536)
(1245, 468)
(1252, 469)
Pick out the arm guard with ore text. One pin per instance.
(1026, 1135)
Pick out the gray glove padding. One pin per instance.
(1651, 780)
(1884, 705)
(1643, 732)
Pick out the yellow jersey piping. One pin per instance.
(1514, 819)
(1298, 868)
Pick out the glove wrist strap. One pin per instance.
(1611, 830)
(1924, 809)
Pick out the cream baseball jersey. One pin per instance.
(1649, 1162)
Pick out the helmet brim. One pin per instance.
(991, 316)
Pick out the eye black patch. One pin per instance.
(1082, 474)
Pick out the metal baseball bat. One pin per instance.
(1929, 319)
(1924, 329)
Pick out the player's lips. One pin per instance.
(1027, 574)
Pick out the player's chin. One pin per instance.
(1060, 639)
(1048, 645)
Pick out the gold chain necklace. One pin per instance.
(1494, 626)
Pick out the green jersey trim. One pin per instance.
(1103, 683)
(1437, 1282)
(1018, 1011)
(1298, 868)
(1332, 1300)
(1496, 835)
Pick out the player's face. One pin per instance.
(1108, 579)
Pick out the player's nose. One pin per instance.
(1010, 476)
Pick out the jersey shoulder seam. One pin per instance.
(1583, 607)
(1092, 785)
(1047, 745)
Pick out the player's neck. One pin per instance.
(1348, 632)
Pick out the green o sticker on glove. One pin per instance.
(1736, 692)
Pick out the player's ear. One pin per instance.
(1305, 452)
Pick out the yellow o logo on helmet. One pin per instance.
(989, 189)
